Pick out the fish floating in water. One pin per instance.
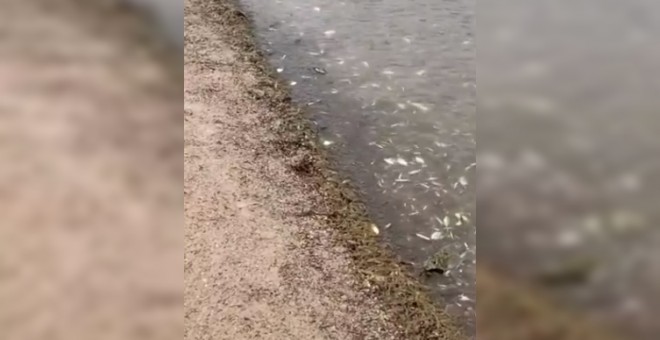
(319, 70)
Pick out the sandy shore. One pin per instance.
(262, 259)
(247, 273)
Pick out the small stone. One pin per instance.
(438, 263)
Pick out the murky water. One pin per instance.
(392, 86)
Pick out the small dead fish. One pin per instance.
(461, 218)
(320, 70)
(423, 237)
(420, 106)
(463, 181)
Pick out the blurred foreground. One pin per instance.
(90, 181)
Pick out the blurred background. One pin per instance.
(165, 15)
(90, 174)
(568, 169)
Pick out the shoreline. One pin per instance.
(338, 219)
(337, 211)
(343, 212)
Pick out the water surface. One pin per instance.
(392, 86)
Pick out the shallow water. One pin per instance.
(392, 87)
